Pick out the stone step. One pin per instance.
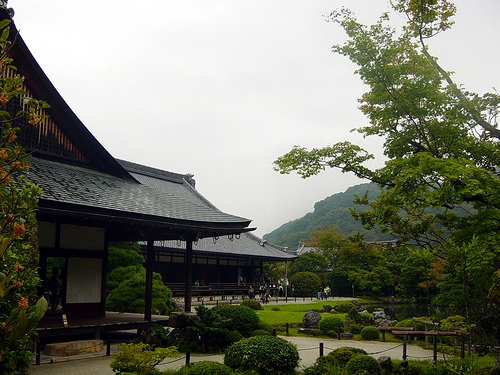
(62, 349)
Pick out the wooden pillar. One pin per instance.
(148, 298)
(434, 349)
(405, 339)
(189, 275)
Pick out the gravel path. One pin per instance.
(308, 350)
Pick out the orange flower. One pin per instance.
(18, 230)
(4, 98)
(3, 154)
(19, 267)
(18, 284)
(4, 324)
(23, 302)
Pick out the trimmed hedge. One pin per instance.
(370, 333)
(331, 323)
(238, 318)
(264, 355)
(363, 362)
(253, 304)
(208, 368)
(341, 356)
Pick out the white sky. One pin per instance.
(222, 88)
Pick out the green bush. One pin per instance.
(370, 333)
(363, 362)
(234, 336)
(306, 284)
(411, 323)
(341, 356)
(252, 303)
(208, 368)
(263, 354)
(260, 332)
(265, 326)
(237, 318)
(355, 327)
(140, 358)
(344, 308)
(331, 323)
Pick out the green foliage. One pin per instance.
(363, 362)
(130, 294)
(263, 354)
(310, 261)
(341, 356)
(140, 358)
(209, 327)
(411, 323)
(344, 308)
(455, 323)
(237, 318)
(265, 326)
(234, 336)
(331, 323)
(208, 368)
(370, 333)
(124, 254)
(306, 284)
(260, 332)
(252, 303)
(439, 184)
(19, 313)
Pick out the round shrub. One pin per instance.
(411, 323)
(252, 303)
(363, 362)
(260, 332)
(344, 308)
(370, 333)
(263, 354)
(265, 326)
(208, 368)
(331, 323)
(238, 318)
(341, 356)
(234, 336)
(306, 284)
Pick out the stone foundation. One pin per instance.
(62, 349)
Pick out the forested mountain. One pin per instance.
(333, 210)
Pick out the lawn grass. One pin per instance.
(293, 313)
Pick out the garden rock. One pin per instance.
(311, 320)
(327, 308)
(381, 319)
(386, 362)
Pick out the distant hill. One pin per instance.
(333, 210)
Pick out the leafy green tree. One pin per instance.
(414, 277)
(129, 295)
(311, 261)
(306, 284)
(439, 185)
(124, 254)
(20, 308)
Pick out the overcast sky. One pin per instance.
(222, 88)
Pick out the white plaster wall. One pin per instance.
(84, 280)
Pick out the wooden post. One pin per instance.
(404, 347)
(148, 298)
(189, 275)
(434, 348)
(321, 349)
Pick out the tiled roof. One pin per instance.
(67, 184)
(246, 244)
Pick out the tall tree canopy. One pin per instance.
(440, 183)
